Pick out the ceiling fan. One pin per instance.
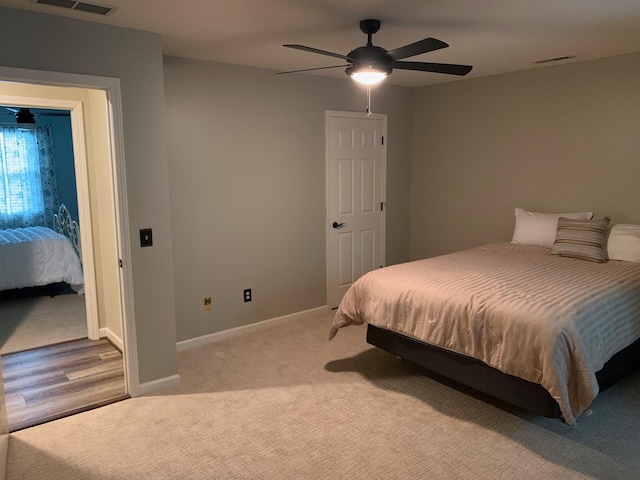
(25, 115)
(370, 64)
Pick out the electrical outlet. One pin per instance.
(247, 294)
(206, 304)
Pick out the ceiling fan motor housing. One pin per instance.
(24, 115)
(369, 56)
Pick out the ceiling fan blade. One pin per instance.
(449, 68)
(423, 46)
(310, 69)
(315, 50)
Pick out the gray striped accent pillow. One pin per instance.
(585, 239)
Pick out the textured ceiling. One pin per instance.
(495, 36)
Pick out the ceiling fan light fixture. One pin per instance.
(370, 64)
(24, 115)
(369, 78)
(368, 75)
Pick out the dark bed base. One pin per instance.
(483, 378)
(51, 290)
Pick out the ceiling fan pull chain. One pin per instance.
(369, 112)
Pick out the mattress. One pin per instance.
(37, 256)
(547, 319)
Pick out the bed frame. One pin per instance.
(483, 378)
(67, 226)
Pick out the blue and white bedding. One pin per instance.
(37, 256)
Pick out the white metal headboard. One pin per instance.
(64, 224)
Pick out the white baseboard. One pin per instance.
(113, 338)
(254, 327)
(156, 385)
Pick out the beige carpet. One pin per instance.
(287, 404)
(33, 321)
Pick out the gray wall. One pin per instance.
(247, 178)
(71, 46)
(552, 139)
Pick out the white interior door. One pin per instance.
(356, 161)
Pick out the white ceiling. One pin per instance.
(495, 36)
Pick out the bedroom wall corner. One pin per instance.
(552, 139)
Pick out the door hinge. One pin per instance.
(382, 205)
(120, 262)
(382, 139)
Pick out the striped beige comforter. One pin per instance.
(547, 319)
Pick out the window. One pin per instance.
(28, 194)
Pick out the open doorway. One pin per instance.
(96, 113)
(37, 306)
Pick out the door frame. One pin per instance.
(383, 219)
(111, 86)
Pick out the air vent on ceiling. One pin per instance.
(98, 9)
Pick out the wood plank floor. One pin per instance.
(55, 381)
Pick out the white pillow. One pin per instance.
(624, 242)
(535, 228)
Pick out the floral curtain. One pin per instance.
(28, 191)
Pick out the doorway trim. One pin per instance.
(111, 86)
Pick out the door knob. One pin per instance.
(338, 225)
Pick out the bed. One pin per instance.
(543, 331)
(38, 256)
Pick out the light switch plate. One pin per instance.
(146, 237)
